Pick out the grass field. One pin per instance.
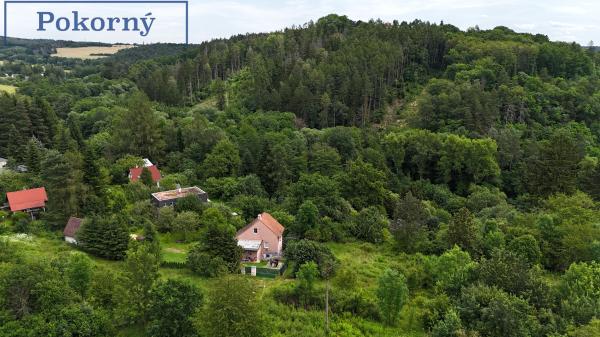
(89, 53)
(8, 88)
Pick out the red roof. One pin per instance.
(136, 172)
(269, 221)
(27, 199)
(72, 226)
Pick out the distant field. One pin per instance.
(8, 88)
(89, 53)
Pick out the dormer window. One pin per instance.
(255, 230)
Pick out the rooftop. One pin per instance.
(250, 244)
(178, 193)
(27, 199)
(72, 226)
(136, 172)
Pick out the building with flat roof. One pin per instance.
(169, 198)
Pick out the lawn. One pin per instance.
(173, 251)
(11, 89)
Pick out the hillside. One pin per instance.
(431, 182)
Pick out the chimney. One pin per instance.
(259, 217)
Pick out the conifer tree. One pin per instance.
(146, 177)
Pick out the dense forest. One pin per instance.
(432, 182)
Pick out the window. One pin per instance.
(266, 245)
(255, 230)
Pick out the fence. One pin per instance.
(263, 271)
(173, 264)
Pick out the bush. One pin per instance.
(205, 265)
(304, 251)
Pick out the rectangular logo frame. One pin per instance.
(186, 2)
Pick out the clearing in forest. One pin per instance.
(89, 53)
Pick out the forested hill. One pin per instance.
(340, 72)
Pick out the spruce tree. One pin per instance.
(107, 238)
(146, 177)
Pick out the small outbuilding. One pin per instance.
(170, 198)
(30, 201)
(3, 163)
(71, 229)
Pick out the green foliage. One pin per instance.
(369, 225)
(410, 225)
(146, 177)
(80, 274)
(580, 292)
(104, 237)
(306, 275)
(172, 306)
(217, 250)
(527, 248)
(495, 313)
(304, 251)
(392, 294)
(137, 130)
(463, 231)
(141, 272)
(233, 309)
(453, 270)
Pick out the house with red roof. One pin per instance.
(261, 239)
(136, 172)
(30, 201)
(71, 229)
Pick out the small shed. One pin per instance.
(3, 163)
(71, 229)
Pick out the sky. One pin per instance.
(560, 20)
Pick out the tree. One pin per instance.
(233, 309)
(146, 177)
(450, 326)
(172, 306)
(222, 161)
(363, 185)
(63, 181)
(141, 272)
(369, 225)
(453, 270)
(507, 271)
(410, 225)
(392, 293)
(527, 248)
(306, 276)
(463, 230)
(580, 292)
(79, 273)
(304, 251)
(554, 169)
(186, 222)
(494, 313)
(306, 219)
(137, 130)
(104, 237)
(216, 250)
